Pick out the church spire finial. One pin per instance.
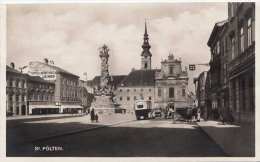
(145, 28)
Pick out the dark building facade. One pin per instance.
(25, 93)
(16, 92)
(232, 65)
(200, 88)
(241, 66)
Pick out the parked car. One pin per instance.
(157, 113)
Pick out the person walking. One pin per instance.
(198, 115)
(92, 115)
(96, 117)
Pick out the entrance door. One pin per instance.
(23, 110)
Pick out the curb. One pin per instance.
(77, 131)
(212, 139)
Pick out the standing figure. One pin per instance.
(198, 115)
(92, 115)
(96, 117)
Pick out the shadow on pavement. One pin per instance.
(118, 141)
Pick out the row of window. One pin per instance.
(16, 98)
(128, 98)
(141, 90)
(41, 97)
(15, 83)
(242, 40)
(69, 82)
(171, 92)
(68, 93)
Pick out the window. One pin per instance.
(171, 92)
(232, 10)
(232, 48)
(120, 98)
(134, 97)
(242, 40)
(150, 90)
(142, 90)
(183, 92)
(134, 90)
(171, 69)
(150, 98)
(16, 83)
(159, 92)
(145, 65)
(120, 90)
(249, 32)
(128, 98)
(127, 90)
(218, 47)
(225, 73)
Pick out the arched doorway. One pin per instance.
(23, 110)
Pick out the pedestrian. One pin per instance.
(173, 114)
(96, 117)
(92, 115)
(198, 115)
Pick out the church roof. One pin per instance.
(140, 78)
(116, 80)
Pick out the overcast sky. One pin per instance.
(70, 34)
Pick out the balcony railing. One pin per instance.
(248, 54)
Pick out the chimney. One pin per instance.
(12, 65)
(46, 61)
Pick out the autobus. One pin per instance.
(142, 109)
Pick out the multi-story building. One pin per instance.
(66, 85)
(200, 85)
(215, 42)
(28, 94)
(171, 84)
(40, 96)
(16, 91)
(138, 84)
(241, 61)
(232, 64)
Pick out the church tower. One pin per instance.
(146, 54)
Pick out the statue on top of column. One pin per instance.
(105, 87)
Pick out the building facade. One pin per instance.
(16, 92)
(66, 95)
(138, 84)
(232, 65)
(218, 95)
(171, 84)
(40, 96)
(200, 88)
(241, 61)
(26, 95)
